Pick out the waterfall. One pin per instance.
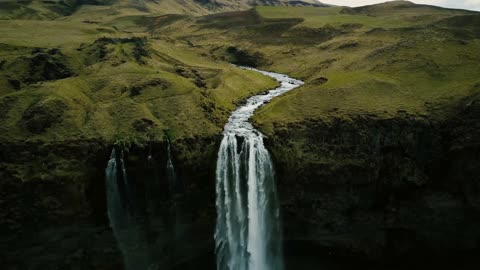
(122, 220)
(116, 191)
(248, 233)
(171, 176)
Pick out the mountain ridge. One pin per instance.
(52, 9)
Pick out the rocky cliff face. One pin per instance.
(375, 188)
(382, 188)
(404, 187)
(53, 201)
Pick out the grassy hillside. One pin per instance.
(386, 60)
(116, 70)
(52, 9)
(391, 59)
(66, 80)
(352, 147)
(171, 72)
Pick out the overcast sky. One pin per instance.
(464, 4)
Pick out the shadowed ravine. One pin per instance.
(248, 234)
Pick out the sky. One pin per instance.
(463, 4)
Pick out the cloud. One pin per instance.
(472, 4)
(464, 4)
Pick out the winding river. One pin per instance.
(248, 233)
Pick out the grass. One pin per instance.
(388, 17)
(180, 89)
(47, 34)
(384, 60)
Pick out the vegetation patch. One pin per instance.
(193, 74)
(348, 45)
(44, 114)
(41, 65)
(244, 57)
(117, 50)
(46, 66)
(157, 83)
(6, 103)
(166, 20)
(305, 35)
(231, 20)
(143, 125)
(465, 27)
(249, 25)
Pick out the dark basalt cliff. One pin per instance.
(403, 187)
(53, 201)
(369, 188)
(373, 188)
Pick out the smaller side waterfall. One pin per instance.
(125, 227)
(117, 199)
(176, 219)
(171, 176)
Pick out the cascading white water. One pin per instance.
(171, 176)
(119, 207)
(116, 204)
(248, 235)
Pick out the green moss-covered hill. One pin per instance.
(75, 84)
(385, 59)
(52, 9)
(64, 80)
(376, 155)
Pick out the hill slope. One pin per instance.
(422, 54)
(385, 132)
(376, 155)
(35, 10)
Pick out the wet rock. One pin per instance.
(320, 80)
(382, 188)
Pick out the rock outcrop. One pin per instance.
(404, 187)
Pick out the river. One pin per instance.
(248, 229)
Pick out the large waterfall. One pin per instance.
(248, 235)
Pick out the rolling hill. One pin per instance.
(52, 9)
(376, 154)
